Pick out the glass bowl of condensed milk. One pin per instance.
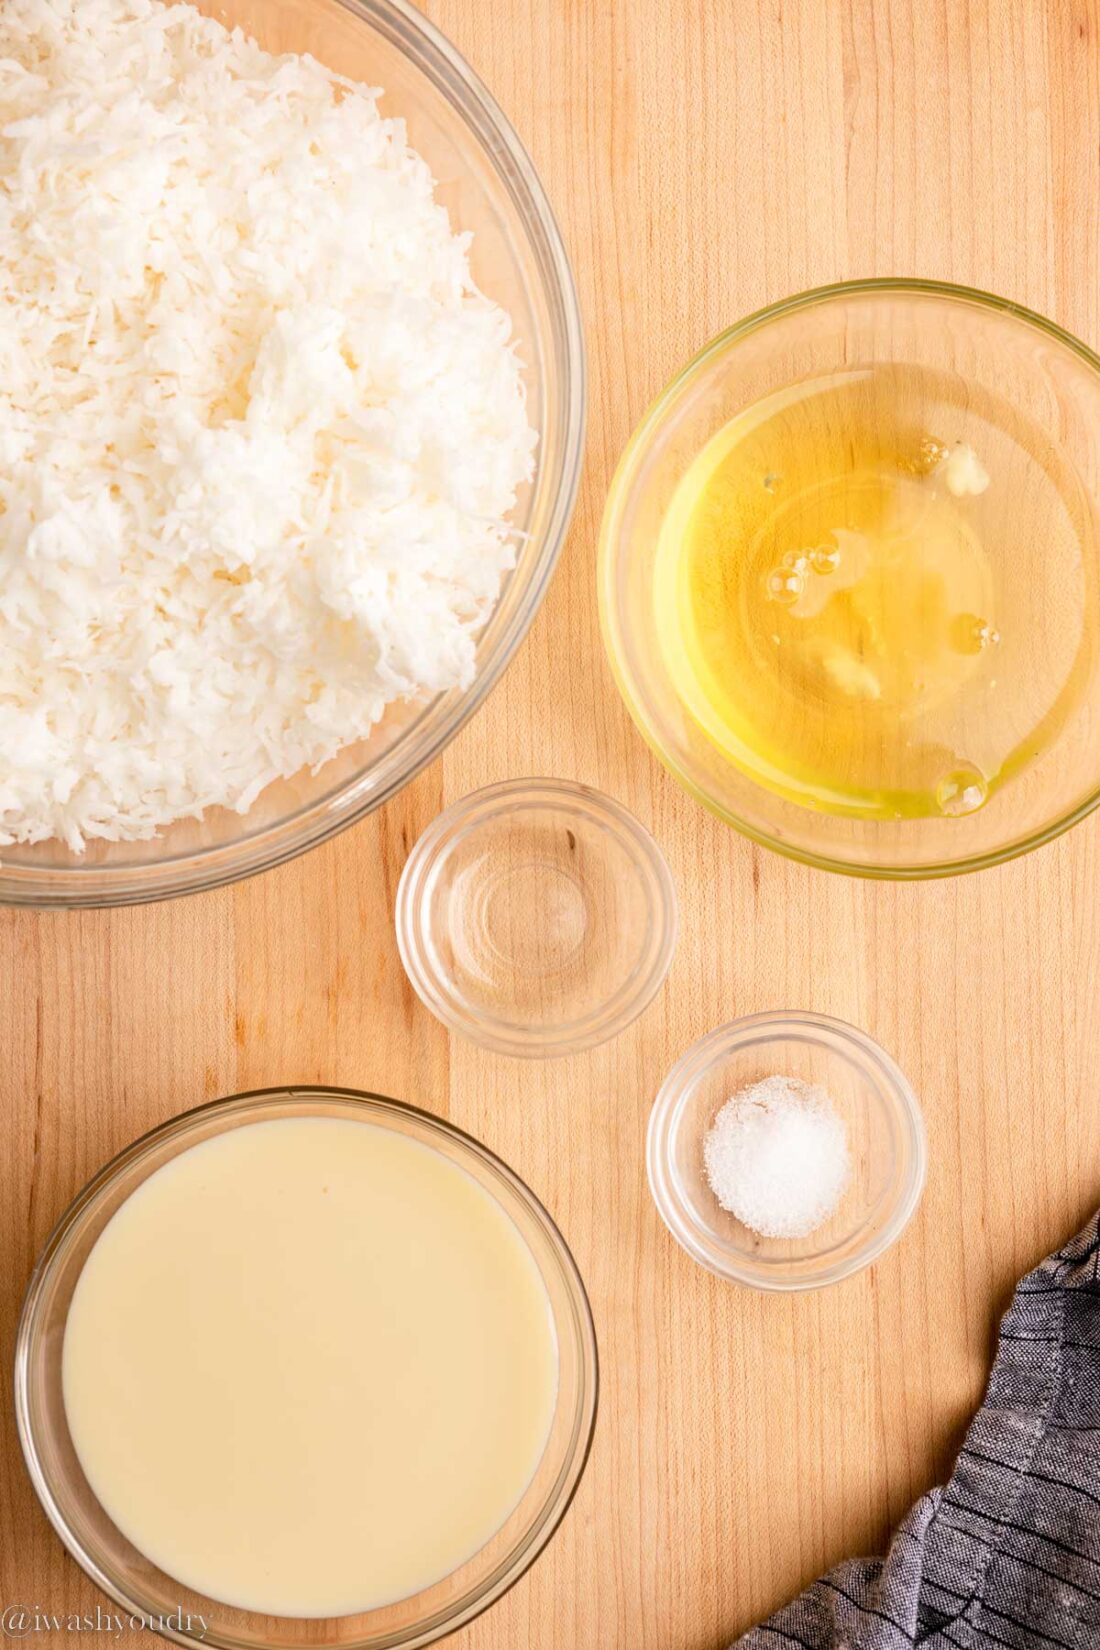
(306, 1367)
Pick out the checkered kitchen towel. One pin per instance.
(1008, 1553)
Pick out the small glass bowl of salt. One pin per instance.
(786, 1151)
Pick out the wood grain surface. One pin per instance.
(705, 157)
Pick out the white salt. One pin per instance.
(777, 1158)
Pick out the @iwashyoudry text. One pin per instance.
(21, 1621)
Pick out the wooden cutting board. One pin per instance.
(705, 157)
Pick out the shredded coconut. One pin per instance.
(259, 433)
(777, 1157)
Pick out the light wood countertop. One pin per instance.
(705, 157)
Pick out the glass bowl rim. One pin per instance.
(678, 1084)
(476, 809)
(608, 561)
(199, 870)
(560, 1496)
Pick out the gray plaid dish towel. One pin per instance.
(1008, 1553)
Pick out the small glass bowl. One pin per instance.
(133, 1580)
(885, 1140)
(992, 347)
(536, 917)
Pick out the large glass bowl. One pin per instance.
(991, 349)
(489, 187)
(133, 1580)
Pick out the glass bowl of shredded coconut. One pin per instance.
(291, 419)
(786, 1151)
